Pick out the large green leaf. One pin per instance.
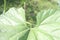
(48, 22)
(12, 22)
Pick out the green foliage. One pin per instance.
(13, 25)
(41, 21)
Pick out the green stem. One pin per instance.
(29, 24)
(4, 6)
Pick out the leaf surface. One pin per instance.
(12, 22)
(48, 22)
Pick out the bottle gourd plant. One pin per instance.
(13, 25)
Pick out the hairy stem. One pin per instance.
(4, 6)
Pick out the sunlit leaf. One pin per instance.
(12, 22)
(49, 24)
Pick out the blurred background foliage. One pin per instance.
(32, 7)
